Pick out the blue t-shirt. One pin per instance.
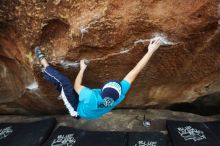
(91, 104)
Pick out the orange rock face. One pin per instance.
(113, 36)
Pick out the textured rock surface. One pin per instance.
(105, 33)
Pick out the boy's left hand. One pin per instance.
(82, 64)
(154, 45)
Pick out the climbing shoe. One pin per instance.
(38, 53)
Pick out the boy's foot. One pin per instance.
(38, 53)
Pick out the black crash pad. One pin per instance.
(146, 139)
(191, 134)
(215, 127)
(66, 136)
(26, 134)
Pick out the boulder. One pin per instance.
(113, 35)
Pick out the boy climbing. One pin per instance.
(92, 103)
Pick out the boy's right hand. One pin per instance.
(154, 45)
(82, 64)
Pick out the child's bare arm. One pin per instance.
(78, 81)
(153, 46)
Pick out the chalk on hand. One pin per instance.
(86, 61)
(163, 40)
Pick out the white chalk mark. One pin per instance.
(86, 61)
(3, 72)
(163, 39)
(67, 64)
(164, 42)
(83, 30)
(33, 86)
(56, 2)
(124, 50)
(161, 36)
(141, 41)
(59, 97)
(75, 64)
